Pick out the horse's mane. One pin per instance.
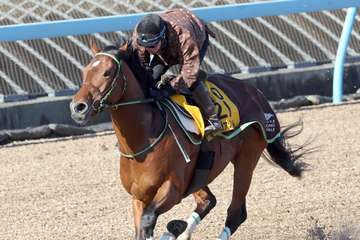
(125, 52)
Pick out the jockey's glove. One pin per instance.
(164, 80)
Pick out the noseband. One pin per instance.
(102, 103)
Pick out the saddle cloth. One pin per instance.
(192, 118)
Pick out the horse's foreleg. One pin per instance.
(144, 220)
(167, 196)
(146, 214)
(205, 201)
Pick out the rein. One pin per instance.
(104, 105)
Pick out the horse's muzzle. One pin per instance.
(80, 112)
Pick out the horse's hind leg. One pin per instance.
(244, 165)
(205, 201)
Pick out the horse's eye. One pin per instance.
(107, 73)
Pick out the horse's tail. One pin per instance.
(287, 157)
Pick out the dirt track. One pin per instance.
(71, 190)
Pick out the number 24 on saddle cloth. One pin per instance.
(227, 111)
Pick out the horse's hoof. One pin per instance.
(176, 227)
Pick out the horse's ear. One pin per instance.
(123, 47)
(94, 48)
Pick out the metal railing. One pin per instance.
(215, 13)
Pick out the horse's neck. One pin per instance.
(135, 124)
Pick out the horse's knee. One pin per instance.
(236, 217)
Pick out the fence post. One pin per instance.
(341, 55)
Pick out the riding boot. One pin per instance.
(202, 98)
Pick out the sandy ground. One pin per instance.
(70, 189)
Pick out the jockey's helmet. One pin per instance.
(151, 30)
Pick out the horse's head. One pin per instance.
(103, 83)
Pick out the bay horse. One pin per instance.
(152, 144)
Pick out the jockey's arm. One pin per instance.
(191, 59)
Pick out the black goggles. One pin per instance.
(150, 41)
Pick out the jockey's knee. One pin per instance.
(202, 75)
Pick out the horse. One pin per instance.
(154, 147)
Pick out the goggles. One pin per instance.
(149, 40)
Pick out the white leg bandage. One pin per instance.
(225, 234)
(167, 236)
(192, 222)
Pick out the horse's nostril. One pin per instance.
(81, 107)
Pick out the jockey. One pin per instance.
(176, 37)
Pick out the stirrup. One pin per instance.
(214, 124)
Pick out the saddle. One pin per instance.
(230, 96)
(190, 117)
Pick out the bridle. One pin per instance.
(102, 103)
